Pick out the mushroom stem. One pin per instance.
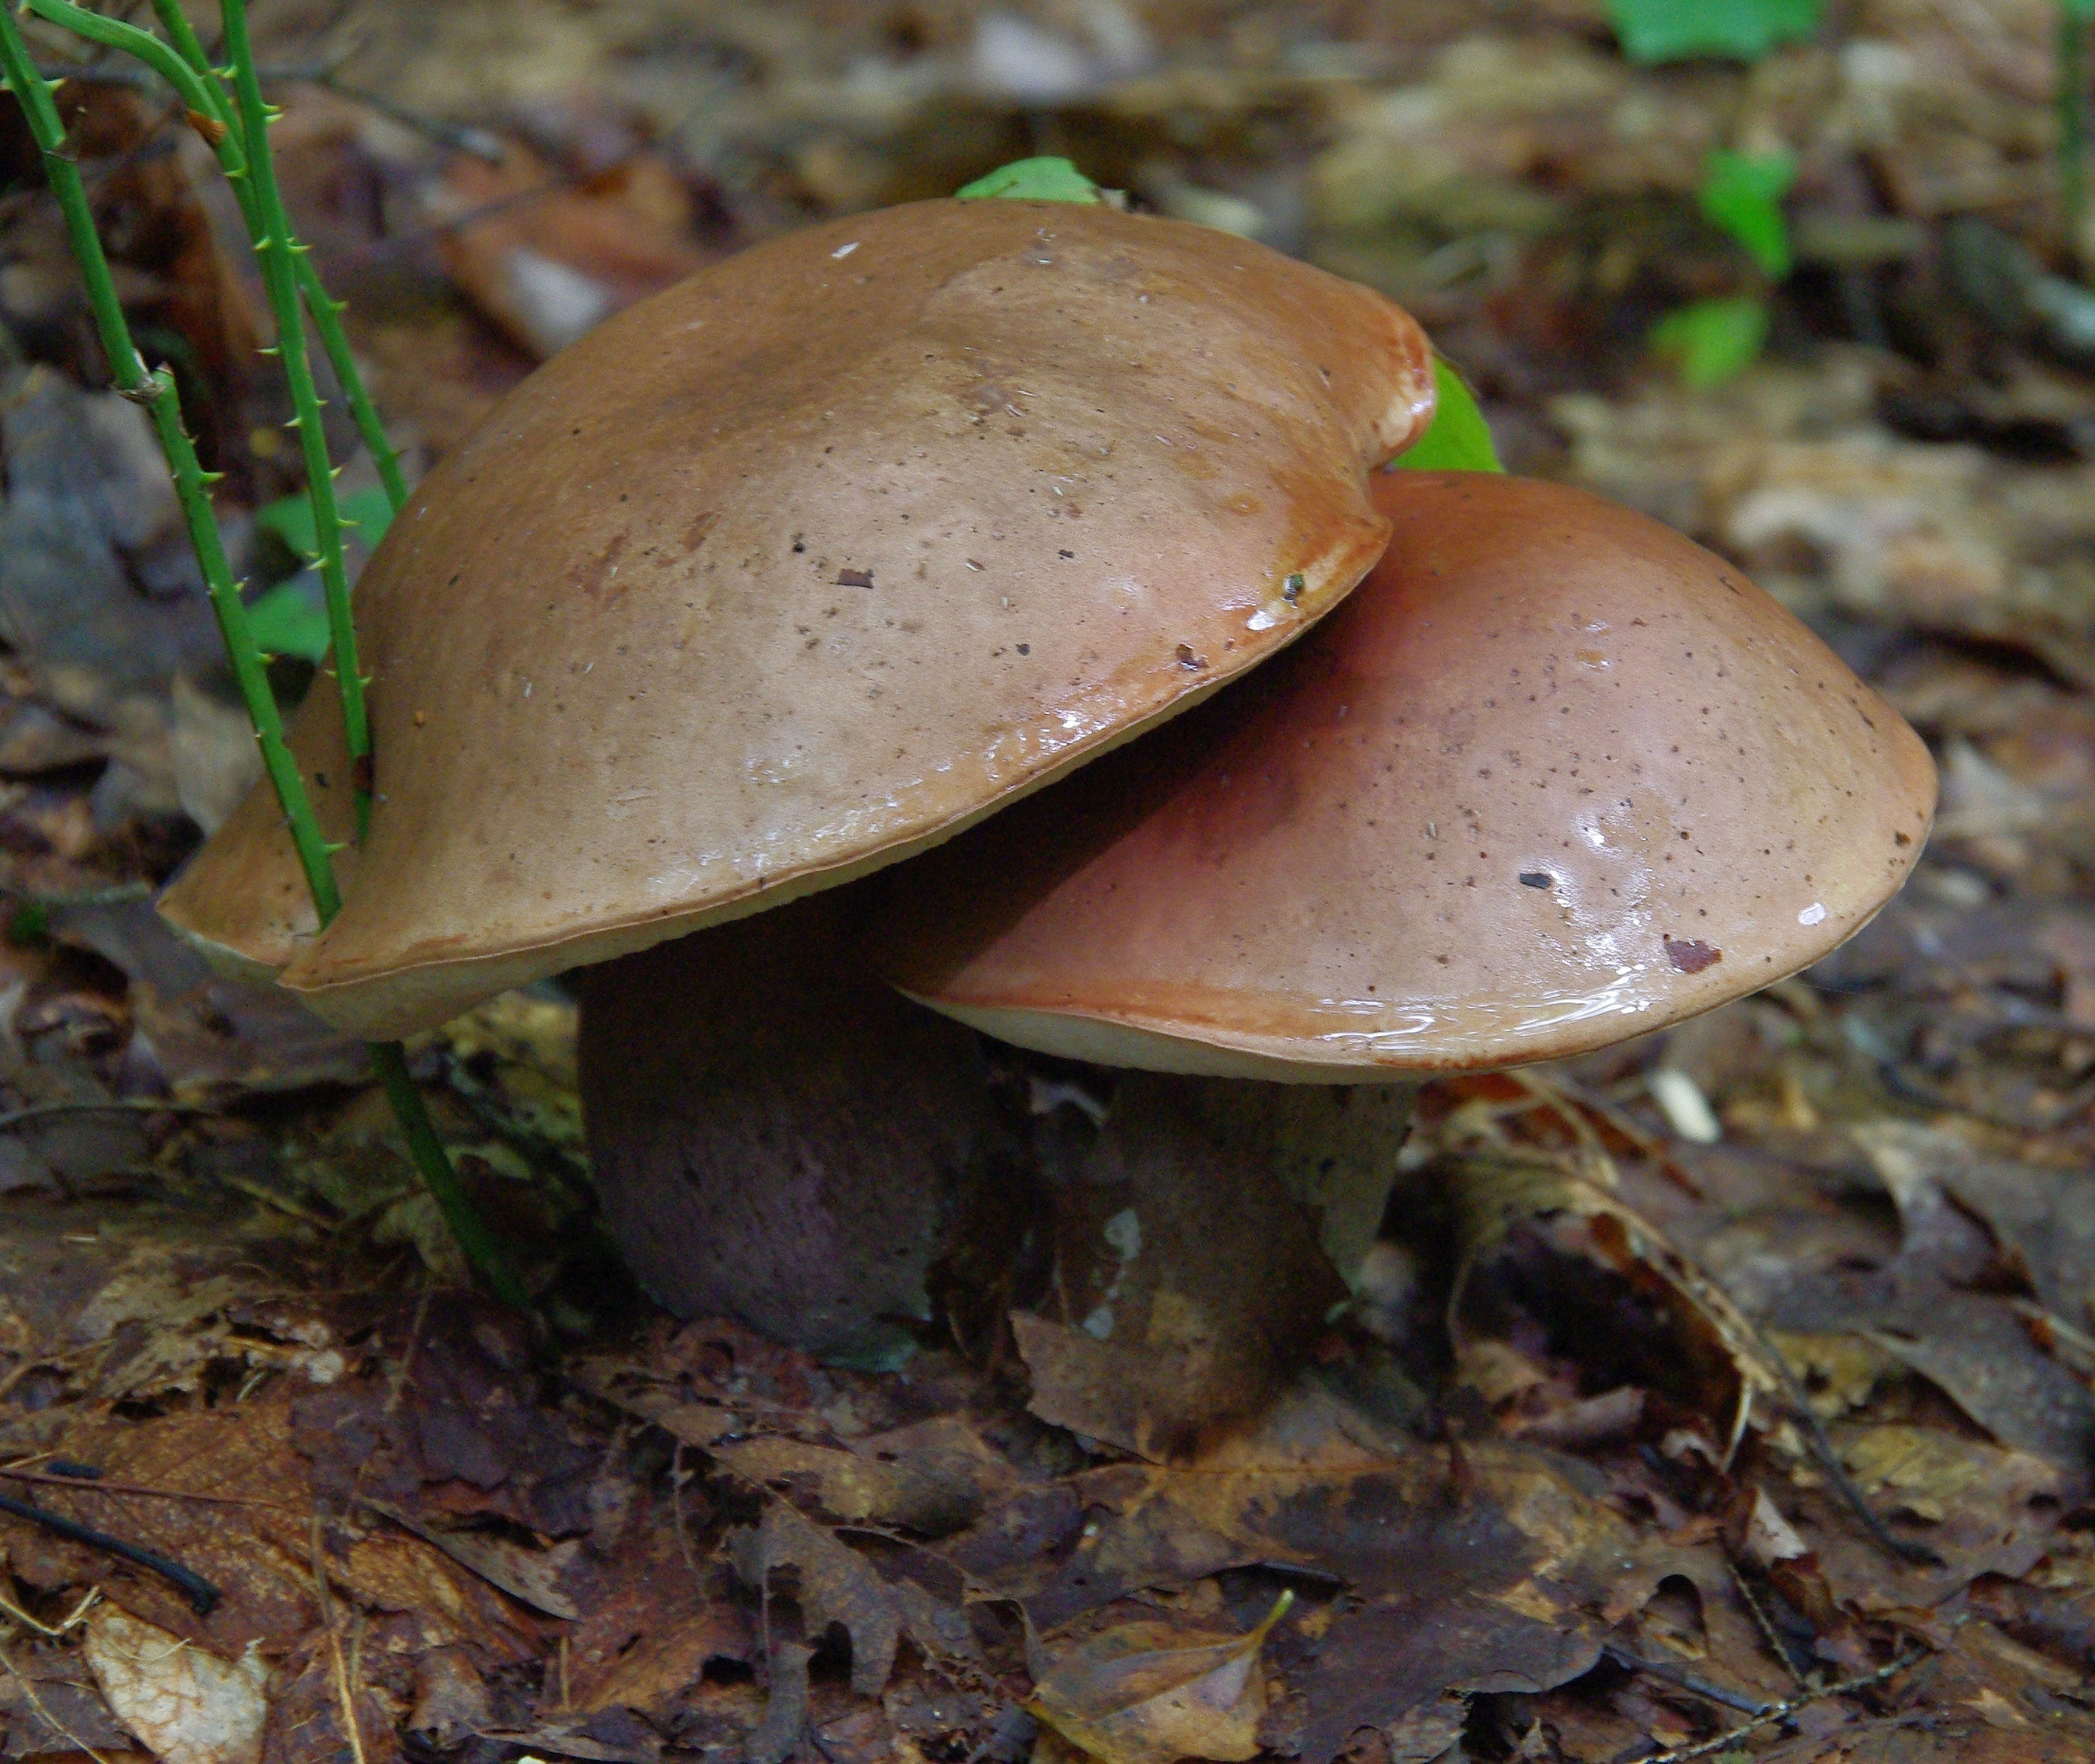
(776, 1135)
(1199, 1242)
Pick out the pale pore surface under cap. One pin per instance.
(806, 563)
(1552, 777)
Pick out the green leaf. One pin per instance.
(1742, 193)
(1712, 340)
(1457, 439)
(1675, 30)
(1046, 179)
(288, 621)
(291, 519)
(2082, 10)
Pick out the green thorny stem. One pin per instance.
(187, 68)
(241, 142)
(278, 255)
(156, 392)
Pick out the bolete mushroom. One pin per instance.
(1552, 777)
(790, 572)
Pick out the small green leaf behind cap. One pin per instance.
(1457, 439)
(1742, 193)
(1046, 179)
(291, 620)
(366, 512)
(1743, 30)
(1712, 340)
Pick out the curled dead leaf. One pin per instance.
(1495, 1196)
(1147, 1694)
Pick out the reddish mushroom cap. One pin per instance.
(1552, 776)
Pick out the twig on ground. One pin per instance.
(1765, 1625)
(203, 1596)
(98, 1485)
(135, 1105)
(1687, 1681)
(344, 1691)
(65, 1626)
(1783, 1710)
(1828, 1460)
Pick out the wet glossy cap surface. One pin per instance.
(1552, 777)
(811, 560)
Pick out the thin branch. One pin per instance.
(203, 1596)
(1782, 1711)
(325, 311)
(97, 1485)
(155, 391)
(274, 248)
(141, 1105)
(241, 132)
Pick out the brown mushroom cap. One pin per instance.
(811, 560)
(1552, 777)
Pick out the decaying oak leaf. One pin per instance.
(834, 1583)
(187, 1705)
(933, 1477)
(1147, 1694)
(533, 1575)
(1500, 1570)
(1577, 1219)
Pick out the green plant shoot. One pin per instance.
(1711, 341)
(1457, 439)
(1742, 193)
(1046, 179)
(1739, 30)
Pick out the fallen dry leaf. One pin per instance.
(1147, 1694)
(835, 1584)
(530, 1574)
(1715, 1352)
(188, 1706)
(547, 254)
(932, 1479)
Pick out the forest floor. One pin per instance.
(1589, 1474)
